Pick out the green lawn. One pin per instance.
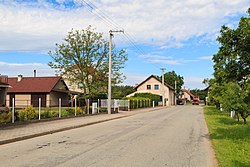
(230, 139)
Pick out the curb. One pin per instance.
(56, 130)
(16, 139)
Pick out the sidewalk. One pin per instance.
(30, 130)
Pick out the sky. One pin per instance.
(177, 35)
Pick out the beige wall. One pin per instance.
(54, 98)
(186, 96)
(168, 93)
(22, 100)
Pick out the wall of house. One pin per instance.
(72, 86)
(187, 96)
(22, 100)
(2, 96)
(168, 93)
(54, 99)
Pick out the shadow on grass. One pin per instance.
(232, 129)
(239, 164)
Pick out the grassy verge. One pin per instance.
(230, 139)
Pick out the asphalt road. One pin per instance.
(175, 136)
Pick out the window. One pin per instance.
(157, 87)
(148, 87)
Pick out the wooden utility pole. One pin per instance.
(162, 87)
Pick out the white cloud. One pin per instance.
(39, 25)
(134, 78)
(206, 58)
(193, 83)
(13, 69)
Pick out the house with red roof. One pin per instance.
(188, 95)
(153, 85)
(27, 91)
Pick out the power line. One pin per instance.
(108, 21)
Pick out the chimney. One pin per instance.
(19, 78)
(34, 73)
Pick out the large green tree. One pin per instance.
(82, 58)
(171, 77)
(232, 68)
(232, 62)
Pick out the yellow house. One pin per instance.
(154, 85)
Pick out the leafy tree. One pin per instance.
(171, 77)
(122, 91)
(234, 98)
(232, 62)
(198, 92)
(232, 69)
(82, 58)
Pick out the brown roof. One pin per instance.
(152, 76)
(32, 84)
(190, 94)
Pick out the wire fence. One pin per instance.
(25, 110)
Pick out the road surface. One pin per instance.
(175, 136)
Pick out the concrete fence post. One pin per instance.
(13, 110)
(60, 107)
(39, 109)
(88, 106)
(75, 105)
(98, 106)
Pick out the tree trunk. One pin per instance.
(237, 115)
(245, 120)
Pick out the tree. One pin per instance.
(82, 58)
(232, 62)
(171, 77)
(120, 92)
(234, 98)
(232, 69)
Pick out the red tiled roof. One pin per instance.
(32, 84)
(190, 94)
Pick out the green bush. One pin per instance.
(28, 113)
(79, 111)
(5, 117)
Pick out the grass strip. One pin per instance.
(230, 138)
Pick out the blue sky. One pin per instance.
(177, 35)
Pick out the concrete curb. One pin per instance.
(7, 141)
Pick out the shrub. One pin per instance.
(28, 113)
(46, 114)
(5, 117)
(79, 111)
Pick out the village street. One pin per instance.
(174, 136)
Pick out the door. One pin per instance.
(35, 100)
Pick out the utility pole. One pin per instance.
(110, 67)
(162, 87)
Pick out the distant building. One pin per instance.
(188, 96)
(153, 85)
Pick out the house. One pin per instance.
(27, 90)
(153, 85)
(188, 96)
(3, 89)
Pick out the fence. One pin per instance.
(23, 110)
